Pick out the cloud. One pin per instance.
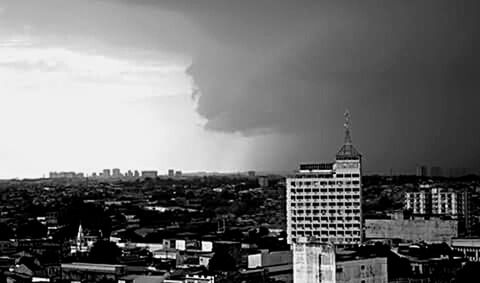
(407, 70)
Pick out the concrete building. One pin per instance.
(178, 173)
(149, 174)
(469, 247)
(263, 181)
(65, 175)
(277, 265)
(91, 272)
(439, 201)
(313, 262)
(422, 171)
(418, 202)
(106, 173)
(199, 279)
(171, 172)
(433, 230)
(116, 173)
(324, 199)
(349, 268)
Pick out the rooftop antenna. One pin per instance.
(348, 138)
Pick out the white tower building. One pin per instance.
(324, 199)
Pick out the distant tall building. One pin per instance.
(150, 174)
(129, 174)
(171, 172)
(324, 199)
(136, 174)
(251, 173)
(313, 262)
(65, 175)
(178, 173)
(116, 173)
(263, 181)
(422, 171)
(106, 173)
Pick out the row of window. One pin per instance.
(324, 212)
(337, 219)
(327, 233)
(348, 175)
(324, 204)
(331, 239)
(324, 197)
(323, 183)
(326, 230)
(325, 190)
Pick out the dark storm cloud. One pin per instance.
(407, 70)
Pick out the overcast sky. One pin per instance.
(221, 85)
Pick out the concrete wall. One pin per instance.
(433, 230)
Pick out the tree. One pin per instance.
(105, 252)
(5, 232)
(32, 229)
(222, 261)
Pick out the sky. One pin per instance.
(223, 85)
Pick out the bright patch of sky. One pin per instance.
(62, 109)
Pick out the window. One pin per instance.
(362, 267)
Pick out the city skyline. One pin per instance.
(160, 84)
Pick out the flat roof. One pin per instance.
(99, 267)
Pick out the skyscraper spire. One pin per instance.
(348, 138)
(348, 151)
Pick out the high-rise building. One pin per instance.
(116, 173)
(313, 262)
(422, 171)
(324, 199)
(136, 174)
(433, 200)
(171, 172)
(106, 173)
(178, 173)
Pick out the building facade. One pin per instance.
(313, 262)
(440, 201)
(433, 230)
(470, 248)
(324, 199)
(363, 270)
